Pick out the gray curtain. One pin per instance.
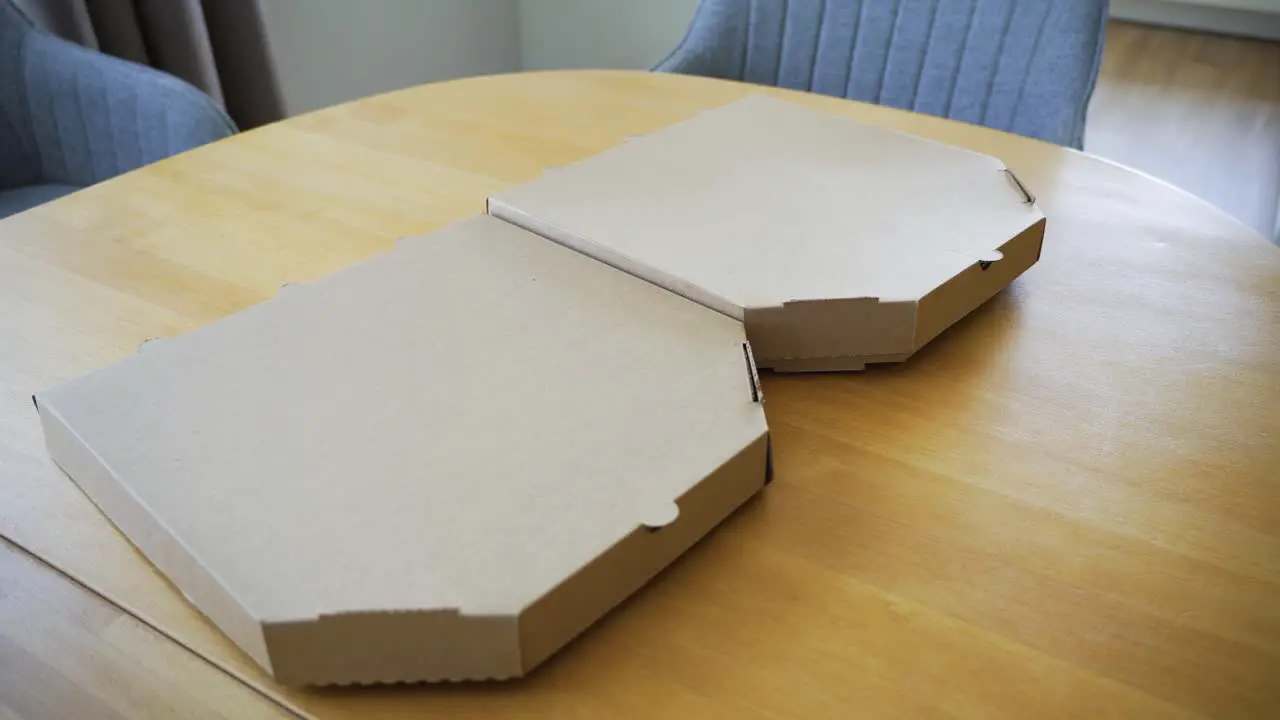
(220, 46)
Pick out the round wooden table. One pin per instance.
(1068, 505)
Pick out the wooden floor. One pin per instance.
(1199, 111)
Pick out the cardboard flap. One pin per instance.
(828, 328)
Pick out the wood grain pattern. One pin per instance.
(65, 653)
(1066, 506)
(1200, 111)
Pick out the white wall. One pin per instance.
(627, 33)
(331, 51)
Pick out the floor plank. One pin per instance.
(1199, 111)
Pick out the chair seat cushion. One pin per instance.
(15, 200)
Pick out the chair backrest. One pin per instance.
(72, 115)
(1027, 66)
(18, 162)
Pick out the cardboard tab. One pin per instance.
(837, 243)
(442, 463)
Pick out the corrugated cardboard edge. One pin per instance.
(830, 334)
(365, 648)
(833, 334)
(425, 646)
(137, 523)
(961, 295)
(833, 364)
(602, 584)
(390, 645)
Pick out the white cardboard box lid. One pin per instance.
(459, 423)
(762, 202)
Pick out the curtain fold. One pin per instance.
(220, 46)
(114, 28)
(238, 39)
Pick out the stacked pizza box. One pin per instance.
(447, 461)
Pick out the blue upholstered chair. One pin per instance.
(1025, 66)
(71, 117)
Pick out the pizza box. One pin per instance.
(442, 463)
(837, 243)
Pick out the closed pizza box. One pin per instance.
(442, 463)
(835, 242)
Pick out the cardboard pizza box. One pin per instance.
(836, 243)
(442, 463)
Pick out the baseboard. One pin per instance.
(1174, 13)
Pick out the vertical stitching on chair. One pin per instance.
(90, 145)
(59, 132)
(1100, 27)
(98, 162)
(27, 134)
(77, 103)
(24, 150)
(964, 49)
(36, 155)
(928, 45)
(171, 147)
(141, 156)
(113, 129)
(37, 138)
(746, 46)
(853, 51)
(995, 67)
(782, 43)
(1026, 73)
(817, 44)
(893, 35)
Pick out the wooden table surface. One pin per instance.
(1066, 506)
